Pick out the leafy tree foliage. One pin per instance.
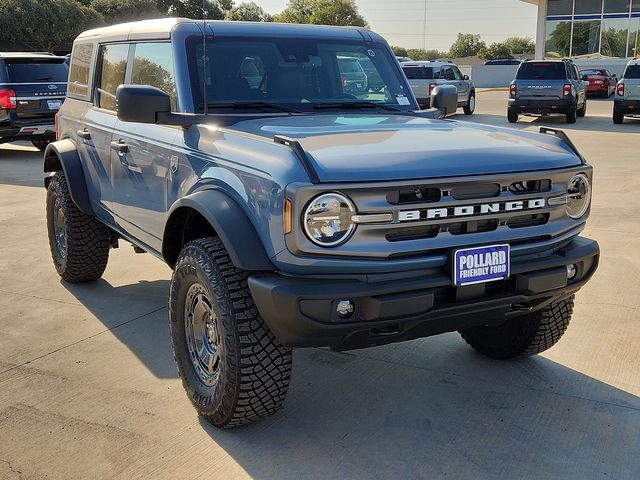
(118, 11)
(400, 51)
(467, 45)
(520, 45)
(248, 12)
(495, 51)
(213, 9)
(323, 12)
(422, 54)
(43, 24)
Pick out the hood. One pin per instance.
(352, 148)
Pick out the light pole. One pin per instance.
(424, 26)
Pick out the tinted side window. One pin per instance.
(633, 71)
(457, 73)
(79, 72)
(418, 73)
(153, 65)
(448, 73)
(113, 66)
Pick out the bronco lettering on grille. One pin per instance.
(471, 210)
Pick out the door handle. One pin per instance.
(84, 133)
(119, 146)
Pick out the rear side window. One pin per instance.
(79, 71)
(153, 65)
(36, 71)
(542, 71)
(633, 71)
(113, 66)
(418, 73)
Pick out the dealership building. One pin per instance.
(588, 29)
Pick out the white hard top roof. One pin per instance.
(158, 28)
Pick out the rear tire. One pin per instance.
(470, 107)
(512, 116)
(522, 336)
(583, 111)
(232, 367)
(572, 115)
(618, 117)
(79, 242)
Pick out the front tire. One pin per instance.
(79, 242)
(522, 336)
(232, 367)
(470, 107)
(583, 111)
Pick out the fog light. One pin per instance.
(345, 308)
(572, 270)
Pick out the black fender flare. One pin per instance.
(63, 155)
(231, 225)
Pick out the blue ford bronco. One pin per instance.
(295, 213)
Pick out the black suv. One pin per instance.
(32, 89)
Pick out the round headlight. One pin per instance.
(578, 196)
(327, 219)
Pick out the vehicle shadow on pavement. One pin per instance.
(593, 124)
(433, 408)
(17, 166)
(136, 315)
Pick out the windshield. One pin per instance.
(633, 71)
(418, 72)
(542, 71)
(34, 72)
(593, 72)
(298, 73)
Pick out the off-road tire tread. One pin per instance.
(87, 252)
(529, 335)
(260, 369)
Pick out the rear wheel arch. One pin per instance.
(211, 213)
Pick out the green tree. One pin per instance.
(118, 11)
(400, 51)
(248, 12)
(467, 45)
(323, 12)
(495, 51)
(559, 41)
(422, 54)
(43, 24)
(213, 9)
(520, 45)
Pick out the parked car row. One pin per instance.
(557, 87)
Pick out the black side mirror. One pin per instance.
(141, 103)
(445, 98)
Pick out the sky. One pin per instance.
(401, 22)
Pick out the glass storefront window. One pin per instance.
(558, 39)
(614, 37)
(588, 7)
(634, 39)
(616, 6)
(560, 7)
(586, 37)
(635, 6)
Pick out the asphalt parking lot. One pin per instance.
(88, 387)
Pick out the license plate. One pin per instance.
(481, 264)
(54, 104)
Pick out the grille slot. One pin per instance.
(468, 192)
(414, 195)
(530, 186)
(477, 226)
(413, 233)
(522, 221)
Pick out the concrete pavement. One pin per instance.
(88, 387)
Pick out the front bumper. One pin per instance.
(542, 107)
(627, 107)
(301, 311)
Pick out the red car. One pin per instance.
(601, 81)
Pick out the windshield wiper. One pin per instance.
(252, 105)
(319, 106)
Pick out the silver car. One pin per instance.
(425, 76)
(627, 100)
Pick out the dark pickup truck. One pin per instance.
(32, 89)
